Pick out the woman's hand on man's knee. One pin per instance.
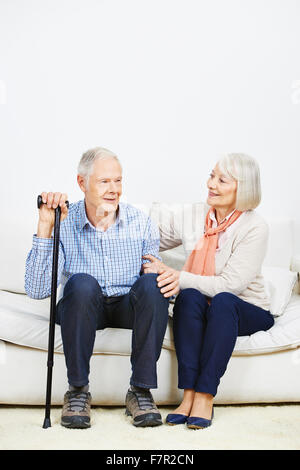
(168, 282)
(168, 279)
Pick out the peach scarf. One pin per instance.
(202, 259)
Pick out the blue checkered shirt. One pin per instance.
(113, 257)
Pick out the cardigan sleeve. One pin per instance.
(179, 224)
(170, 236)
(243, 265)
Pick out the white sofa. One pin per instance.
(265, 367)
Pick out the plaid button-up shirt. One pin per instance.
(113, 257)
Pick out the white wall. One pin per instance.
(168, 85)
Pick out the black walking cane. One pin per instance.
(47, 421)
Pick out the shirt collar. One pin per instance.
(83, 219)
(212, 216)
(121, 217)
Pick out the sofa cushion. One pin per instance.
(279, 285)
(24, 321)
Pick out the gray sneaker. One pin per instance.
(76, 410)
(140, 405)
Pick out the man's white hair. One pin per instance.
(85, 166)
(245, 170)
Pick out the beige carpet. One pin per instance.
(234, 427)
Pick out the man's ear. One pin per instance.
(81, 183)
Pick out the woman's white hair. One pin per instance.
(245, 170)
(85, 166)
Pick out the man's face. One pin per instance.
(104, 187)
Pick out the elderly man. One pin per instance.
(102, 244)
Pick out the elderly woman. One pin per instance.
(220, 289)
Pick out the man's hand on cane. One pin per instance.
(47, 213)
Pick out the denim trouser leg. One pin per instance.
(205, 335)
(188, 328)
(150, 309)
(83, 309)
(79, 313)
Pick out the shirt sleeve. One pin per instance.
(241, 269)
(151, 240)
(38, 269)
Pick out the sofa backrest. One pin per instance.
(280, 244)
(15, 244)
(16, 240)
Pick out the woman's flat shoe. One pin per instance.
(175, 418)
(193, 422)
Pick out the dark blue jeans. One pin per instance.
(83, 309)
(205, 335)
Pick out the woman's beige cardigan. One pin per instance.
(238, 262)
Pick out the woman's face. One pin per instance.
(221, 191)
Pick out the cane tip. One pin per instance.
(47, 423)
